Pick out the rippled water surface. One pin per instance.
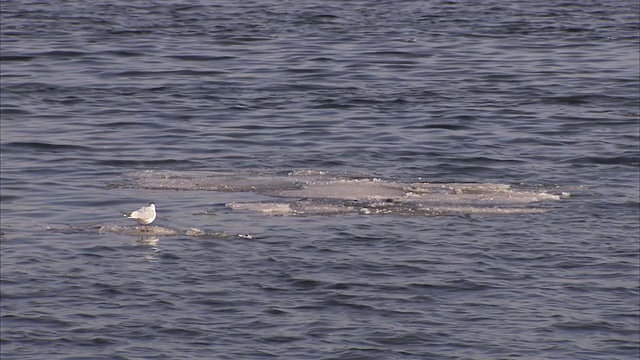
(538, 97)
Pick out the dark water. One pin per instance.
(527, 93)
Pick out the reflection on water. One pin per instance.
(147, 240)
(152, 252)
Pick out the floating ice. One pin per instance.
(138, 230)
(362, 189)
(150, 233)
(312, 192)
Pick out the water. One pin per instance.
(526, 94)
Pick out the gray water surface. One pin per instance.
(529, 95)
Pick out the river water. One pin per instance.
(528, 95)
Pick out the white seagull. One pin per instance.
(145, 215)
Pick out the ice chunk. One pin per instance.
(314, 192)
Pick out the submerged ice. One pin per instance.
(319, 193)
